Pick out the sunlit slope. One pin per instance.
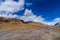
(15, 24)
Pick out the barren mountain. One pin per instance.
(16, 24)
(15, 29)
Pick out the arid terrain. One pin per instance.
(14, 29)
(15, 24)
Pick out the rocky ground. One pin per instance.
(30, 35)
(14, 29)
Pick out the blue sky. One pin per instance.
(49, 9)
(41, 11)
(46, 8)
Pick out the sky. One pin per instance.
(41, 11)
(47, 8)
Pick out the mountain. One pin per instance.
(16, 24)
(57, 24)
(15, 29)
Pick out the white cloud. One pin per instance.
(28, 12)
(9, 15)
(56, 20)
(29, 4)
(29, 16)
(11, 6)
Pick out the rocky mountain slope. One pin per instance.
(16, 24)
(15, 29)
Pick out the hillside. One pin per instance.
(16, 24)
(15, 29)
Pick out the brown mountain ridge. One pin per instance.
(16, 24)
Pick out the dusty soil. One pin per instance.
(30, 35)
